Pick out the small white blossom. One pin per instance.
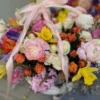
(2, 27)
(86, 35)
(59, 27)
(31, 36)
(84, 21)
(66, 47)
(53, 48)
(68, 23)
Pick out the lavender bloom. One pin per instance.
(36, 87)
(12, 35)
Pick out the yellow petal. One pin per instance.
(77, 76)
(43, 29)
(2, 71)
(90, 79)
(52, 40)
(38, 34)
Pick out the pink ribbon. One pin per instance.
(30, 13)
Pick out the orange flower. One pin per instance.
(19, 58)
(13, 22)
(71, 37)
(82, 63)
(42, 59)
(76, 29)
(73, 67)
(8, 45)
(39, 68)
(63, 36)
(73, 54)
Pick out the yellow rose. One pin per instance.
(46, 35)
(87, 73)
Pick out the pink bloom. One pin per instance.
(37, 27)
(17, 75)
(35, 49)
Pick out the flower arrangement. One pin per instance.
(38, 59)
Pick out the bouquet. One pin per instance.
(54, 51)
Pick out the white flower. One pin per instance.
(53, 48)
(2, 27)
(66, 47)
(31, 36)
(59, 27)
(86, 35)
(48, 61)
(84, 21)
(68, 23)
(55, 61)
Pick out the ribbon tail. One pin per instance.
(60, 45)
(9, 75)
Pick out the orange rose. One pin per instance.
(39, 68)
(76, 29)
(8, 45)
(63, 36)
(71, 37)
(82, 63)
(19, 58)
(73, 54)
(73, 67)
(42, 59)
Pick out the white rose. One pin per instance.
(86, 35)
(56, 62)
(66, 47)
(31, 36)
(59, 27)
(68, 23)
(85, 21)
(53, 48)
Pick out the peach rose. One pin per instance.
(39, 68)
(35, 49)
(19, 58)
(73, 67)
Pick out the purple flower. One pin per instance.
(96, 33)
(36, 87)
(18, 75)
(12, 35)
(37, 27)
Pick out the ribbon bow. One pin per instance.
(30, 12)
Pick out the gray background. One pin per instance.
(7, 9)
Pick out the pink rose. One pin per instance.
(37, 27)
(35, 49)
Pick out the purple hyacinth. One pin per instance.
(12, 35)
(36, 87)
